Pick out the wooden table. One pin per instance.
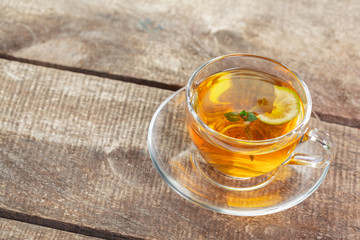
(80, 81)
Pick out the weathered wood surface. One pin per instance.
(165, 41)
(73, 151)
(10, 229)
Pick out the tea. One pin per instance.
(241, 104)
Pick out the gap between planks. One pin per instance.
(129, 79)
(151, 83)
(68, 227)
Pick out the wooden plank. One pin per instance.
(166, 40)
(10, 229)
(73, 150)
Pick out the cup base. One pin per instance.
(230, 182)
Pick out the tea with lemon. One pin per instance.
(246, 105)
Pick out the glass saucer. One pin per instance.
(183, 168)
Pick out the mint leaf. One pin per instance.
(251, 157)
(251, 117)
(243, 114)
(235, 116)
(232, 116)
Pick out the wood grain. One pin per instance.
(164, 41)
(73, 151)
(10, 229)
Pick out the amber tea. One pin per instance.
(246, 105)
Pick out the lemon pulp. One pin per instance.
(286, 107)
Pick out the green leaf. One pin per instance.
(232, 116)
(246, 116)
(243, 114)
(251, 117)
(251, 157)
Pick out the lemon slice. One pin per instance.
(286, 107)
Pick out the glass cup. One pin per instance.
(230, 156)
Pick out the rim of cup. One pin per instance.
(297, 129)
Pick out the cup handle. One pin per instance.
(317, 160)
